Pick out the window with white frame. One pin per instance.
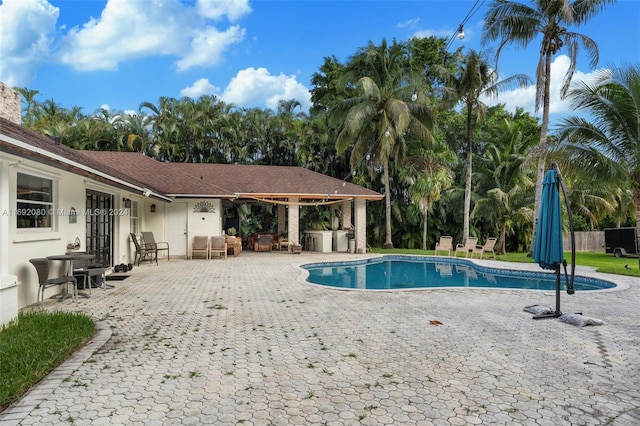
(34, 204)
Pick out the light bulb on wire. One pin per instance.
(387, 132)
(414, 96)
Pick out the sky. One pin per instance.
(116, 54)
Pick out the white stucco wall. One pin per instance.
(204, 223)
(20, 245)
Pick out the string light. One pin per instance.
(414, 95)
(460, 31)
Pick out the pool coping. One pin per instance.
(620, 282)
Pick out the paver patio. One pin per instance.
(245, 341)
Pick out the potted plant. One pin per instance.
(232, 232)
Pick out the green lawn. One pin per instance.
(603, 262)
(34, 345)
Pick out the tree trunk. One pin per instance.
(542, 147)
(502, 240)
(467, 184)
(424, 231)
(387, 204)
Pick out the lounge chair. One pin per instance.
(44, 282)
(200, 246)
(488, 247)
(150, 242)
(218, 245)
(445, 244)
(143, 252)
(467, 248)
(264, 243)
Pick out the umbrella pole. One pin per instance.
(557, 313)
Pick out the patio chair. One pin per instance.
(89, 273)
(143, 252)
(199, 245)
(445, 244)
(218, 245)
(488, 247)
(264, 243)
(467, 248)
(150, 242)
(44, 282)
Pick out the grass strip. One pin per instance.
(35, 344)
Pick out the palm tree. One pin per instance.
(31, 105)
(607, 145)
(428, 173)
(518, 23)
(502, 183)
(377, 118)
(473, 79)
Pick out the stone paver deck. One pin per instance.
(245, 341)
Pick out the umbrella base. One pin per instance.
(551, 315)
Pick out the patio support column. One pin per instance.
(346, 214)
(360, 225)
(8, 283)
(281, 218)
(293, 233)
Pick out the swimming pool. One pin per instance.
(399, 272)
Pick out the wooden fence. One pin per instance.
(585, 241)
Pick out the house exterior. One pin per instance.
(53, 196)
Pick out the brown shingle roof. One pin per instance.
(188, 179)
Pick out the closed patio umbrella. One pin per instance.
(547, 248)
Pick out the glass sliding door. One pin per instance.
(100, 227)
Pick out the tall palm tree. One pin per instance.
(377, 118)
(473, 79)
(607, 144)
(518, 23)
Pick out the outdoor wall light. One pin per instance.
(126, 202)
(153, 208)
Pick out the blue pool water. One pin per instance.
(411, 272)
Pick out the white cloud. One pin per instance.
(26, 33)
(199, 88)
(215, 9)
(525, 98)
(207, 46)
(130, 29)
(257, 87)
(409, 23)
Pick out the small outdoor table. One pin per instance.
(69, 258)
